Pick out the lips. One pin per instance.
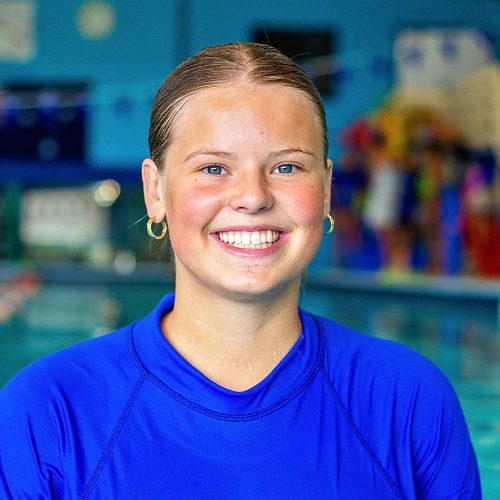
(249, 239)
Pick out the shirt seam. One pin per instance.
(359, 437)
(231, 417)
(112, 440)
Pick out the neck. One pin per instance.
(235, 343)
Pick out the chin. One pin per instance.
(253, 291)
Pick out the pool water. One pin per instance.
(460, 336)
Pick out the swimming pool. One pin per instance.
(460, 335)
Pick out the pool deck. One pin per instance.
(453, 287)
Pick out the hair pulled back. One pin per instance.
(223, 65)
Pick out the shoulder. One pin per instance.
(399, 400)
(386, 379)
(372, 358)
(55, 401)
(63, 405)
(100, 371)
(81, 369)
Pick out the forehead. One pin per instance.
(276, 112)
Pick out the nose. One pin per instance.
(252, 192)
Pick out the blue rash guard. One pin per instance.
(343, 416)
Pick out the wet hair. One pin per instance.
(224, 65)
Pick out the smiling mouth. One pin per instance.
(247, 239)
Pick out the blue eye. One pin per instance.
(214, 169)
(286, 168)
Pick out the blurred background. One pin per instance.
(412, 94)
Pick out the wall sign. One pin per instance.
(17, 30)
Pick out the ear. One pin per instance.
(328, 186)
(153, 190)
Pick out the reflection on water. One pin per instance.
(460, 336)
(61, 315)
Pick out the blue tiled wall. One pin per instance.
(152, 36)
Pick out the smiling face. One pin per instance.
(244, 189)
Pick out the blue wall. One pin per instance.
(152, 36)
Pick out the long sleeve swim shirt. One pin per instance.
(342, 416)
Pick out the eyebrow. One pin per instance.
(231, 156)
(282, 152)
(204, 152)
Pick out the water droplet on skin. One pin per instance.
(234, 363)
(275, 353)
(217, 362)
(250, 367)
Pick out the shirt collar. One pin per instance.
(185, 382)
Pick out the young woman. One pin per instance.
(228, 390)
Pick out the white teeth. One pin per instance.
(254, 239)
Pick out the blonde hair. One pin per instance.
(222, 65)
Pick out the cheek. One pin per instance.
(306, 204)
(189, 210)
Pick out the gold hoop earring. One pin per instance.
(149, 229)
(332, 224)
